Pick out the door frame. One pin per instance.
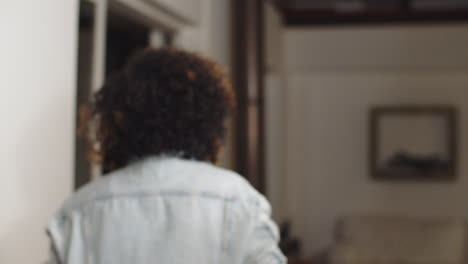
(155, 16)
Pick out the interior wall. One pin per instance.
(212, 36)
(334, 76)
(188, 10)
(215, 43)
(274, 94)
(37, 99)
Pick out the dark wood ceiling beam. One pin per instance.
(308, 17)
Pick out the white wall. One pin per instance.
(274, 93)
(214, 41)
(188, 10)
(334, 75)
(220, 49)
(37, 92)
(212, 36)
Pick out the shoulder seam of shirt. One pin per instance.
(207, 195)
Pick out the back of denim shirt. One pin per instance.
(165, 210)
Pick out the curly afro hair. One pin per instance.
(163, 102)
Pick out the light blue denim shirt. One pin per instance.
(167, 211)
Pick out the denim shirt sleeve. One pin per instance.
(62, 231)
(53, 257)
(58, 232)
(263, 240)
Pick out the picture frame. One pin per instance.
(409, 142)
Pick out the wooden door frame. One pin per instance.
(248, 82)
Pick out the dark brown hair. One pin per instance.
(164, 101)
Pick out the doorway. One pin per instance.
(103, 49)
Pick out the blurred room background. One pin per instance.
(351, 114)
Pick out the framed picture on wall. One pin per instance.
(413, 142)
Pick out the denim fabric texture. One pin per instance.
(165, 210)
